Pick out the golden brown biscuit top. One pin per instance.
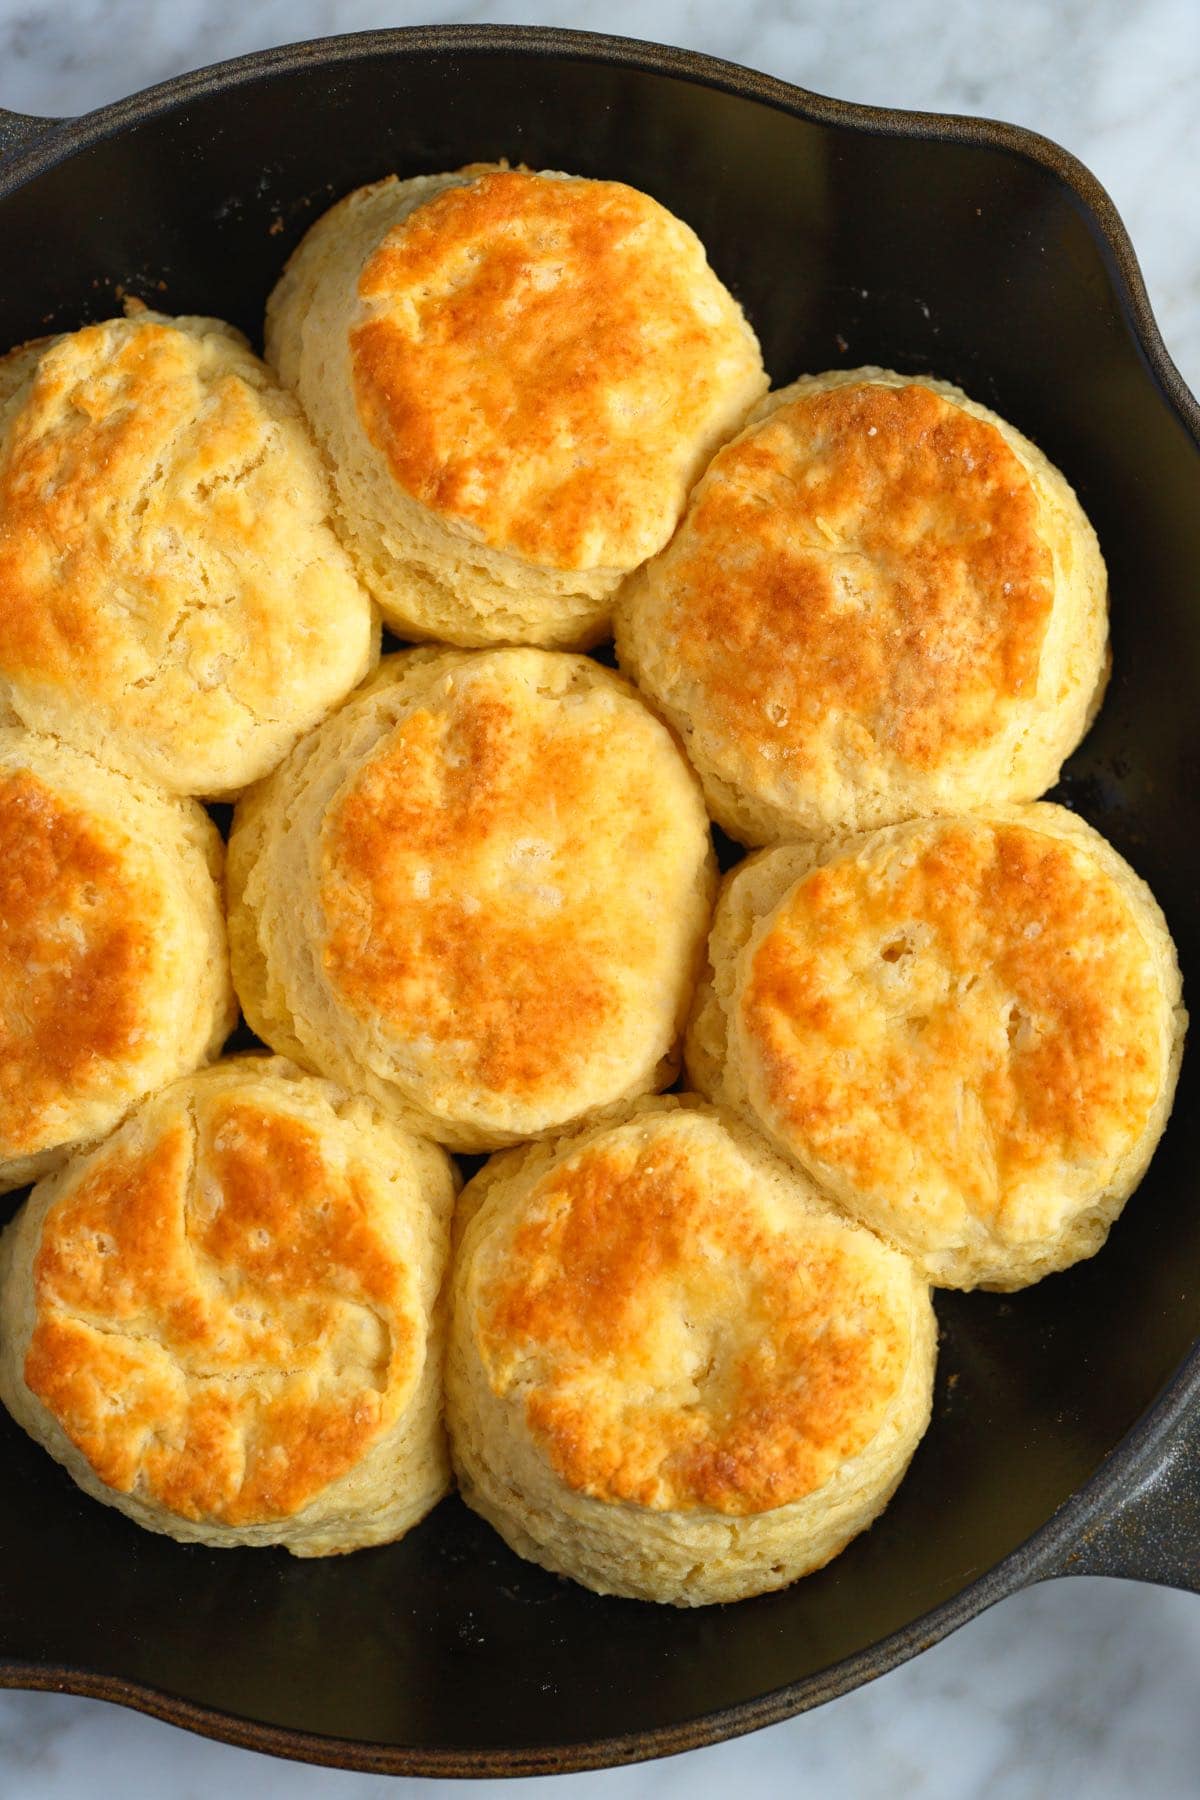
(497, 879)
(222, 1324)
(862, 573)
(80, 957)
(157, 497)
(963, 1016)
(678, 1339)
(103, 411)
(544, 360)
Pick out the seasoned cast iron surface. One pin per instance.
(959, 257)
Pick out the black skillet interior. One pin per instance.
(846, 246)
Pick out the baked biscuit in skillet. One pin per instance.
(882, 602)
(516, 378)
(114, 969)
(966, 1030)
(172, 595)
(676, 1372)
(224, 1321)
(479, 894)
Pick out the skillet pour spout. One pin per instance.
(1066, 1431)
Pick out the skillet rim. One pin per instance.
(1059, 1548)
(1142, 1458)
(45, 142)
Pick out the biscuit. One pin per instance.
(967, 1031)
(114, 971)
(675, 1371)
(883, 602)
(173, 598)
(516, 377)
(479, 894)
(224, 1321)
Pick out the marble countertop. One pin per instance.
(1079, 1687)
(1113, 80)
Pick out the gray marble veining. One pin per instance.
(1078, 1688)
(1114, 80)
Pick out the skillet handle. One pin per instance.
(1151, 1533)
(18, 129)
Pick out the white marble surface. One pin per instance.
(1116, 81)
(1079, 1688)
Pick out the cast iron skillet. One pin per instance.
(1065, 1435)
